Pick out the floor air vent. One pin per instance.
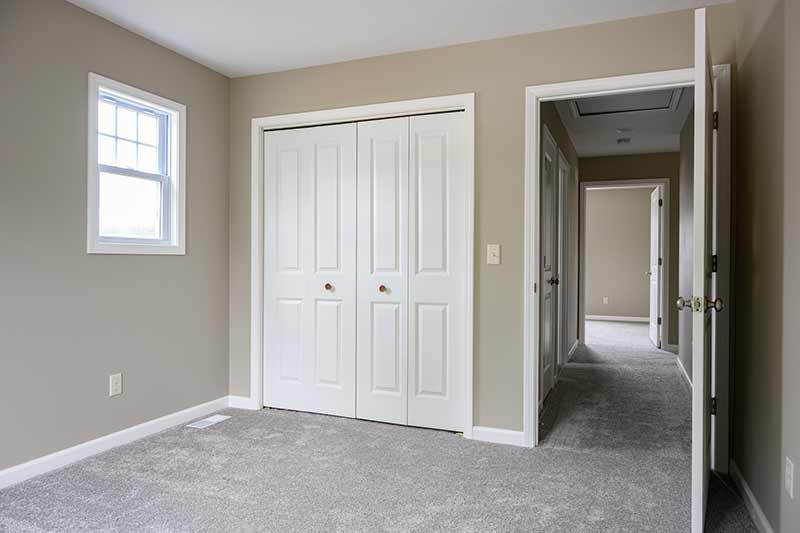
(210, 421)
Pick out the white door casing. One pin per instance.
(310, 270)
(549, 266)
(655, 272)
(437, 258)
(382, 330)
(701, 272)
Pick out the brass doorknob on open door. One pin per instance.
(328, 287)
(717, 305)
(382, 288)
(683, 303)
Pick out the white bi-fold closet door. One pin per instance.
(365, 285)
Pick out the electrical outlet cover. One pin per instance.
(789, 477)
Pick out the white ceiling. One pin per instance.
(244, 37)
(651, 121)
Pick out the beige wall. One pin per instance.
(646, 166)
(497, 71)
(618, 252)
(767, 259)
(68, 319)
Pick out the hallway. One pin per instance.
(619, 396)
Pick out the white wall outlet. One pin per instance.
(493, 254)
(605, 300)
(788, 477)
(115, 384)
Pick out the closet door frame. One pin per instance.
(460, 102)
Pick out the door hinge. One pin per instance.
(659, 321)
(660, 261)
(534, 288)
(714, 263)
(660, 202)
(713, 405)
(715, 120)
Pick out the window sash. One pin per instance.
(166, 205)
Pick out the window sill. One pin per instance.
(135, 249)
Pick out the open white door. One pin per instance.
(701, 272)
(655, 266)
(549, 279)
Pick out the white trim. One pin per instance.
(750, 501)
(683, 371)
(534, 96)
(612, 318)
(634, 183)
(459, 102)
(571, 352)
(498, 436)
(177, 163)
(67, 456)
(242, 402)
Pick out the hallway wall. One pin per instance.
(618, 252)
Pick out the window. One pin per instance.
(136, 171)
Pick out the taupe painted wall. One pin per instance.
(497, 71)
(686, 248)
(646, 166)
(618, 252)
(68, 319)
(767, 259)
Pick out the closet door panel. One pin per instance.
(437, 282)
(310, 269)
(382, 270)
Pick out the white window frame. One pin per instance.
(174, 195)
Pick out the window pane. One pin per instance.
(148, 129)
(148, 159)
(126, 154)
(129, 207)
(106, 118)
(106, 151)
(126, 123)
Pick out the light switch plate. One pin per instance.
(789, 477)
(493, 254)
(115, 384)
(605, 300)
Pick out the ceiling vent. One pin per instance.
(624, 140)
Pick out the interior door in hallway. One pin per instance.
(549, 267)
(655, 271)
(310, 269)
(382, 330)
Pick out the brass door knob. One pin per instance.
(382, 288)
(717, 305)
(683, 303)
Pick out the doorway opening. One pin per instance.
(709, 170)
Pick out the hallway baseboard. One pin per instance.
(756, 513)
(613, 318)
(498, 435)
(683, 371)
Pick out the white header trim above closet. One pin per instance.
(459, 102)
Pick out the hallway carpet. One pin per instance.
(275, 470)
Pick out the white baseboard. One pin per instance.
(612, 318)
(498, 436)
(242, 402)
(671, 348)
(572, 350)
(756, 513)
(61, 458)
(683, 371)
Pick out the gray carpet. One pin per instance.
(276, 470)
